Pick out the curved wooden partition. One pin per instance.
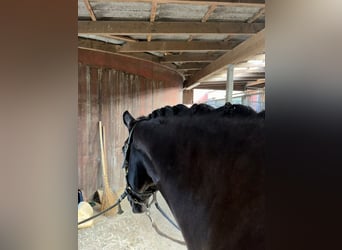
(109, 84)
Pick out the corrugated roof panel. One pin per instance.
(181, 12)
(82, 10)
(228, 13)
(122, 10)
(218, 37)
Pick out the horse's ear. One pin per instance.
(128, 119)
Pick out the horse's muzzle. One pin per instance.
(137, 208)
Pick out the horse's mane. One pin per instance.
(228, 110)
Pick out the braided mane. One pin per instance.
(228, 110)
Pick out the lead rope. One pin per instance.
(148, 214)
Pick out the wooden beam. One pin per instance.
(189, 72)
(90, 10)
(188, 66)
(249, 48)
(97, 45)
(220, 85)
(164, 28)
(235, 3)
(255, 83)
(143, 56)
(170, 65)
(174, 46)
(210, 10)
(111, 48)
(201, 57)
(256, 16)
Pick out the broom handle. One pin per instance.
(103, 156)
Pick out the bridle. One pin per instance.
(138, 197)
(135, 196)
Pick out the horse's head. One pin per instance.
(140, 185)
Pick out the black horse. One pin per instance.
(209, 166)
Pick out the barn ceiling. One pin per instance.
(198, 39)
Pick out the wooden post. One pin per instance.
(230, 83)
(188, 97)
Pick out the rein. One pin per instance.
(148, 214)
(122, 197)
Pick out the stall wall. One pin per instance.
(104, 94)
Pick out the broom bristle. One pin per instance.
(108, 199)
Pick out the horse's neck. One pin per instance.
(220, 207)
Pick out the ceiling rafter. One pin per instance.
(194, 57)
(237, 3)
(174, 46)
(90, 10)
(163, 28)
(247, 49)
(154, 6)
(153, 11)
(200, 49)
(188, 66)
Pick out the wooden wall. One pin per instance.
(104, 94)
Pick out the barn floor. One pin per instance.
(130, 231)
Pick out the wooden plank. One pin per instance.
(210, 10)
(166, 28)
(174, 46)
(249, 48)
(235, 3)
(90, 10)
(200, 57)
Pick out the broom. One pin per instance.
(108, 197)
